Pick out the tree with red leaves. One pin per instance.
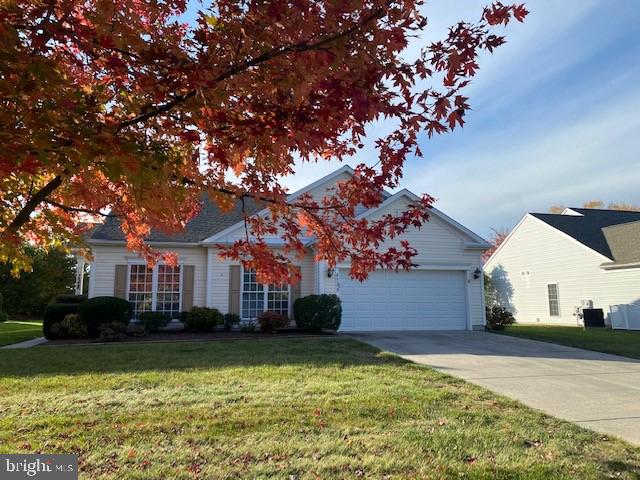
(497, 238)
(599, 204)
(122, 108)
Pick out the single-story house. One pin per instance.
(552, 265)
(444, 291)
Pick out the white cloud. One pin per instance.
(534, 49)
(538, 163)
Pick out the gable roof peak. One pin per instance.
(587, 228)
(343, 169)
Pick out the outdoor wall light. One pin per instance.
(477, 273)
(329, 272)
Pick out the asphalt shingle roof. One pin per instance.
(624, 241)
(587, 228)
(208, 222)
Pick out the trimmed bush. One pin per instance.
(248, 327)
(498, 317)
(66, 298)
(271, 321)
(136, 330)
(54, 314)
(203, 319)
(56, 331)
(154, 321)
(112, 331)
(98, 311)
(73, 327)
(318, 312)
(231, 319)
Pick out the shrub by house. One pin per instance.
(270, 321)
(203, 319)
(97, 311)
(318, 312)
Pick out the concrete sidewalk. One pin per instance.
(592, 389)
(26, 344)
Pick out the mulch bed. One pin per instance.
(182, 336)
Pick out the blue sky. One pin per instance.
(556, 116)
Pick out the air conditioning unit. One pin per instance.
(579, 311)
(586, 303)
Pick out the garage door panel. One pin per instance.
(415, 300)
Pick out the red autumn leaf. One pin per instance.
(190, 136)
(454, 117)
(520, 12)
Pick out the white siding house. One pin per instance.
(444, 291)
(552, 264)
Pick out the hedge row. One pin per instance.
(93, 313)
(98, 314)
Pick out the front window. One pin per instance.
(168, 296)
(156, 289)
(554, 300)
(258, 297)
(140, 288)
(252, 295)
(278, 298)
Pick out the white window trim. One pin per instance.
(557, 299)
(154, 282)
(265, 300)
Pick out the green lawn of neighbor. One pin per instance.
(14, 331)
(286, 408)
(618, 342)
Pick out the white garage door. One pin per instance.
(414, 300)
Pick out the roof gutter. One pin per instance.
(619, 266)
(95, 241)
(270, 242)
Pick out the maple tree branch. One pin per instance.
(310, 209)
(244, 195)
(329, 234)
(244, 219)
(121, 51)
(67, 208)
(265, 57)
(24, 215)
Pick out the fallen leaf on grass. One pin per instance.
(532, 443)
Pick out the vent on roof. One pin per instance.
(570, 211)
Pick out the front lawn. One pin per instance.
(618, 342)
(14, 332)
(289, 408)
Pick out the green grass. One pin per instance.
(618, 342)
(281, 408)
(14, 332)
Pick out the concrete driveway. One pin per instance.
(595, 390)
